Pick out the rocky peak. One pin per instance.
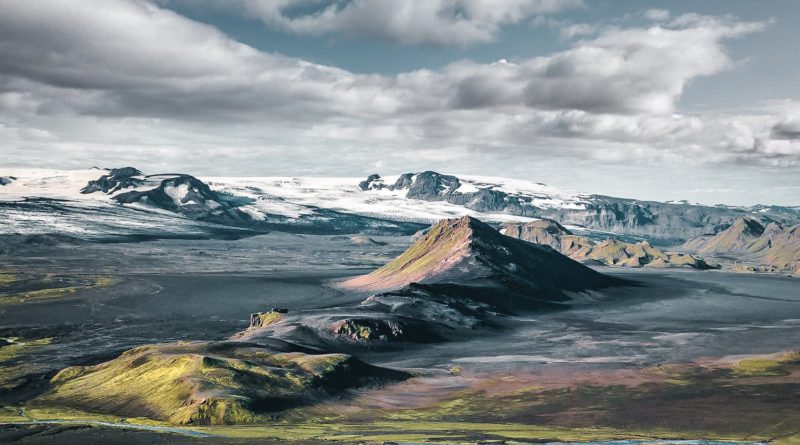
(403, 182)
(747, 226)
(430, 184)
(469, 253)
(115, 180)
(743, 234)
(373, 182)
(772, 230)
(187, 195)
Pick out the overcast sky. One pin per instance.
(652, 100)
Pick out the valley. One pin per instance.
(615, 345)
(356, 327)
(419, 222)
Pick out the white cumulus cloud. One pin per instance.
(81, 82)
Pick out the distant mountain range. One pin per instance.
(124, 203)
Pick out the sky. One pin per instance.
(653, 100)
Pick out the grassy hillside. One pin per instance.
(203, 383)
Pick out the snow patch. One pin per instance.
(178, 194)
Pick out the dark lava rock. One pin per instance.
(403, 182)
(429, 185)
(373, 182)
(198, 201)
(116, 179)
(384, 330)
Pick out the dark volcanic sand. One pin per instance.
(673, 316)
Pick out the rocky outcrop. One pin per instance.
(405, 181)
(186, 195)
(178, 193)
(5, 180)
(431, 186)
(368, 329)
(427, 186)
(378, 329)
(544, 231)
(262, 319)
(373, 182)
(117, 179)
(611, 252)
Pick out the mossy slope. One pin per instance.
(207, 383)
(766, 366)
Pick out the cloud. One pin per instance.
(622, 70)
(412, 22)
(135, 59)
(787, 129)
(657, 15)
(575, 30)
(80, 82)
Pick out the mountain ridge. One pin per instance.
(662, 222)
(774, 246)
(610, 251)
(378, 205)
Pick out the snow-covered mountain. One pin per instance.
(293, 197)
(121, 204)
(124, 202)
